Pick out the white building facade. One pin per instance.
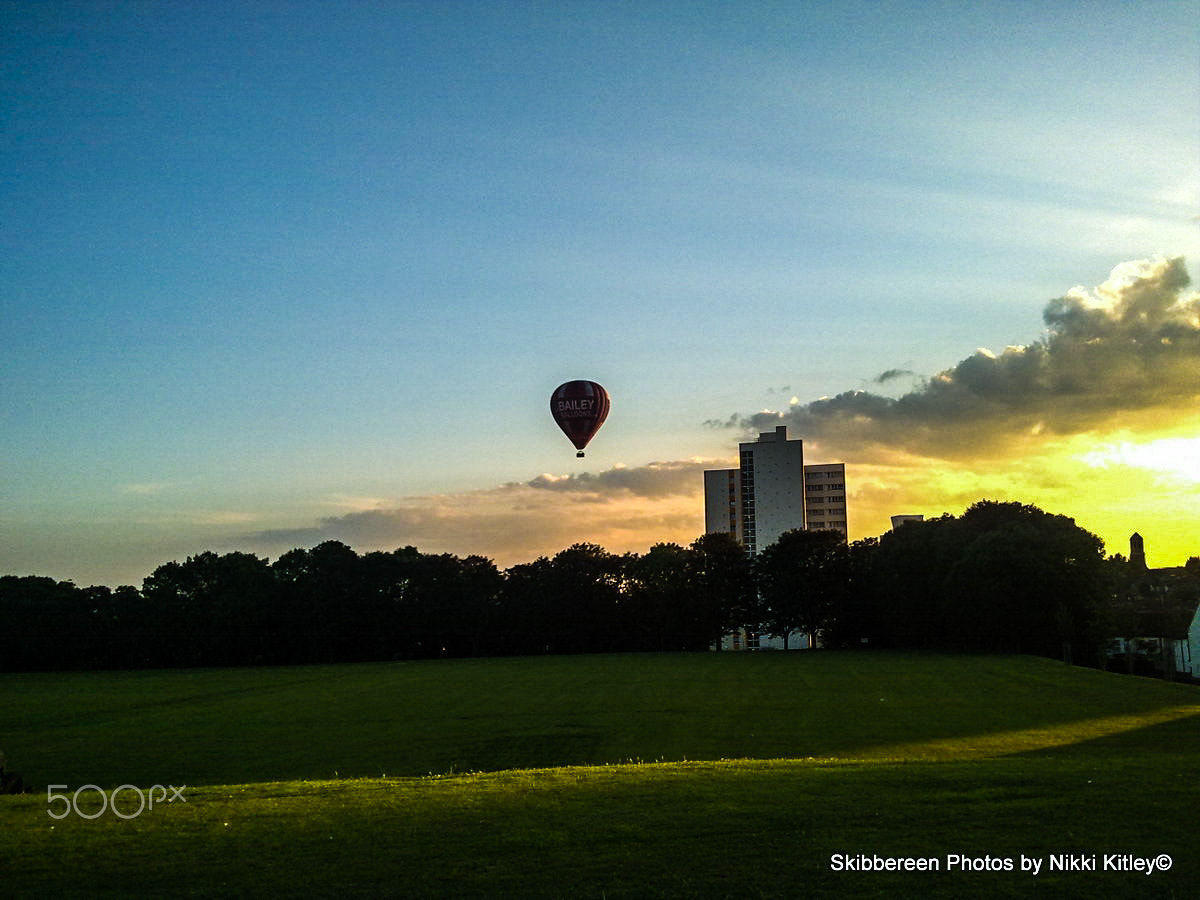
(1187, 652)
(770, 492)
(773, 491)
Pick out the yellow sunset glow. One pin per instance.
(1112, 484)
(1175, 458)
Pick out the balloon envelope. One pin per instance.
(579, 408)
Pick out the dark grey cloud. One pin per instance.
(892, 375)
(656, 479)
(369, 527)
(519, 521)
(1131, 345)
(479, 522)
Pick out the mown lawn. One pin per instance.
(565, 776)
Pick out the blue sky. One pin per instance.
(278, 272)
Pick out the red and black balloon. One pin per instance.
(579, 408)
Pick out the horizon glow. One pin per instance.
(285, 273)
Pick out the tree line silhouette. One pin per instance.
(1003, 577)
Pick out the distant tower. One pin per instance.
(1137, 551)
(773, 491)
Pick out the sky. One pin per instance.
(275, 273)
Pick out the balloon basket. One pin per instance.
(580, 454)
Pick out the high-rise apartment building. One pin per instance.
(773, 491)
(825, 497)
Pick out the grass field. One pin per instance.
(704, 775)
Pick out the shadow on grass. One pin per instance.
(688, 830)
(412, 719)
(1105, 734)
(1174, 736)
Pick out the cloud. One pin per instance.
(147, 488)
(656, 479)
(891, 375)
(1115, 364)
(622, 509)
(223, 517)
(1129, 346)
(1173, 459)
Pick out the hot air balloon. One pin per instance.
(579, 408)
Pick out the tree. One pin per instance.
(573, 603)
(850, 623)
(1003, 577)
(447, 602)
(588, 583)
(528, 611)
(477, 592)
(657, 583)
(322, 599)
(208, 610)
(42, 624)
(905, 583)
(721, 584)
(802, 579)
(1028, 581)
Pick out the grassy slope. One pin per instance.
(911, 755)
